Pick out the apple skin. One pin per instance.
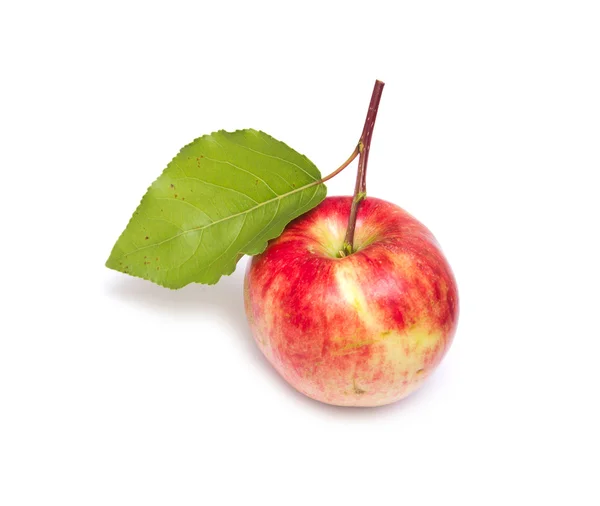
(363, 330)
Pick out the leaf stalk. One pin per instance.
(354, 154)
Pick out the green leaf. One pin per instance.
(224, 195)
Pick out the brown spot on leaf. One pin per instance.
(147, 238)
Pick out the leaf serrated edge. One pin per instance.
(317, 182)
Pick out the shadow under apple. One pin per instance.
(225, 301)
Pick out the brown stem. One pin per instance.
(364, 146)
(354, 154)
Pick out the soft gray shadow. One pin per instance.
(225, 299)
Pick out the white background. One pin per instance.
(114, 391)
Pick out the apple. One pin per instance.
(364, 329)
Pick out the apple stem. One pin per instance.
(364, 146)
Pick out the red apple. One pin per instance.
(361, 330)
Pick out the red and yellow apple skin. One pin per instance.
(363, 330)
